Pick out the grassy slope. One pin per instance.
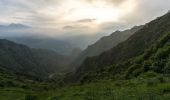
(151, 88)
(15, 87)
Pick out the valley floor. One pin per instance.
(157, 88)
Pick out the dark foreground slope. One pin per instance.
(132, 47)
(23, 60)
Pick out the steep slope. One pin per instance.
(130, 48)
(107, 42)
(154, 60)
(23, 60)
(104, 44)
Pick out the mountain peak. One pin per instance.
(14, 26)
(169, 11)
(17, 25)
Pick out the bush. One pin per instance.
(147, 65)
(164, 88)
(152, 82)
(54, 98)
(163, 52)
(2, 83)
(161, 79)
(10, 84)
(149, 74)
(167, 68)
(158, 66)
(61, 83)
(24, 87)
(30, 97)
(131, 70)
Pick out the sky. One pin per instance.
(75, 17)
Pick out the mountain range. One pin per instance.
(23, 60)
(106, 43)
(133, 64)
(134, 46)
(13, 26)
(59, 46)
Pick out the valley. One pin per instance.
(49, 63)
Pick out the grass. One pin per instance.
(135, 89)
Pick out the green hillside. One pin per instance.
(23, 60)
(149, 86)
(154, 59)
(135, 46)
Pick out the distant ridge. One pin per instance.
(106, 43)
(14, 26)
(23, 60)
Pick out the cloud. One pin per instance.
(86, 20)
(79, 15)
(113, 2)
(73, 27)
(146, 11)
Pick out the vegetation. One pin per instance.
(149, 45)
(33, 62)
(105, 43)
(144, 75)
(156, 58)
(147, 87)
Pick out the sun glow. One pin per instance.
(74, 10)
(101, 13)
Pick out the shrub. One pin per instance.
(61, 83)
(161, 79)
(132, 69)
(30, 97)
(137, 72)
(147, 65)
(158, 66)
(10, 84)
(54, 98)
(149, 74)
(24, 87)
(151, 82)
(167, 68)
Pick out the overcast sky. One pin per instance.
(81, 16)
